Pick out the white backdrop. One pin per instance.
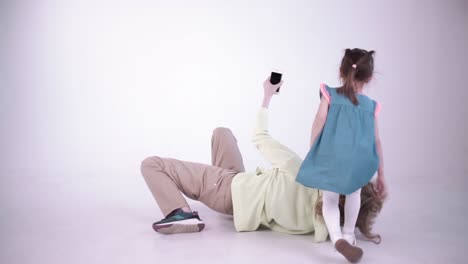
(96, 86)
(90, 88)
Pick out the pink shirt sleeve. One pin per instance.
(325, 93)
(378, 108)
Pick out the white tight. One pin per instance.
(331, 213)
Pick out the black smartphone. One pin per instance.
(275, 78)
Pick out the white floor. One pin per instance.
(55, 217)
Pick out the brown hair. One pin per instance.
(371, 204)
(356, 65)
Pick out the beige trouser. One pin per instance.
(167, 178)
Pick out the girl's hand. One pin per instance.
(270, 89)
(381, 186)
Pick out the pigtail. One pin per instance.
(357, 65)
(348, 71)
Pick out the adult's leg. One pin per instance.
(225, 152)
(167, 178)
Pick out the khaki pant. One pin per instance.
(210, 184)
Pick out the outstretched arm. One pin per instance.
(273, 151)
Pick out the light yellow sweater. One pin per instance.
(272, 198)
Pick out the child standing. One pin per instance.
(346, 150)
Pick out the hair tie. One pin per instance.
(354, 66)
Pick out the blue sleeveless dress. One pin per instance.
(343, 158)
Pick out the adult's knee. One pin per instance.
(221, 131)
(150, 163)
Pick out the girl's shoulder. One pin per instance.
(327, 91)
(365, 102)
(370, 104)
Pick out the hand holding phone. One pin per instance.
(275, 78)
(271, 89)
